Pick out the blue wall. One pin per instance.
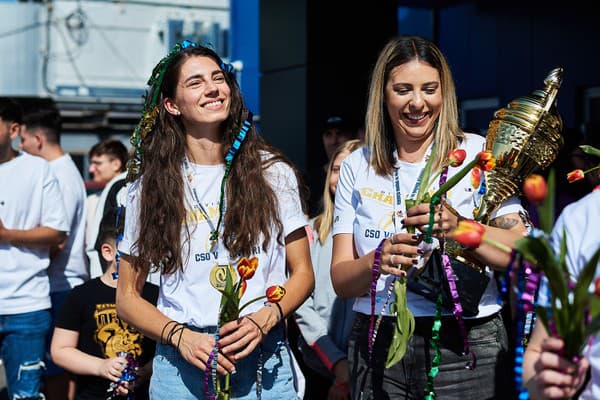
(245, 47)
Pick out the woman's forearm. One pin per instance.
(351, 277)
(132, 307)
(301, 280)
(495, 251)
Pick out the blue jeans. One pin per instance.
(22, 348)
(175, 378)
(491, 379)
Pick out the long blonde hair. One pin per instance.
(324, 221)
(378, 128)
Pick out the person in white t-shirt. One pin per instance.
(108, 159)
(412, 104)
(546, 374)
(209, 192)
(32, 220)
(40, 136)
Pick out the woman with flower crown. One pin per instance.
(412, 116)
(210, 199)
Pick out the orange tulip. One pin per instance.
(575, 175)
(469, 233)
(247, 267)
(243, 286)
(275, 293)
(597, 286)
(535, 188)
(476, 177)
(486, 162)
(456, 157)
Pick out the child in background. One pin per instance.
(89, 334)
(325, 320)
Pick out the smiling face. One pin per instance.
(413, 99)
(202, 95)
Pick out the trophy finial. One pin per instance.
(525, 137)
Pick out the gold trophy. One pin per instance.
(525, 137)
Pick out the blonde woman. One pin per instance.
(412, 105)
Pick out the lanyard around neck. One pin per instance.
(189, 178)
(399, 204)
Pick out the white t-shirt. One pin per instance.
(30, 198)
(70, 266)
(579, 221)
(364, 205)
(188, 296)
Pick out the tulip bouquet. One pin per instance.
(232, 291)
(574, 312)
(404, 326)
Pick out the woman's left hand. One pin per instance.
(444, 221)
(240, 337)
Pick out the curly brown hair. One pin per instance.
(252, 207)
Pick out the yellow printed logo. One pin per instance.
(380, 196)
(198, 216)
(386, 222)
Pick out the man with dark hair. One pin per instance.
(107, 159)
(40, 136)
(32, 220)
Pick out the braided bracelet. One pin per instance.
(162, 332)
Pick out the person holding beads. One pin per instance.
(206, 192)
(412, 106)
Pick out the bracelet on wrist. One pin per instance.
(176, 328)
(262, 333)
(273, 312)
(273, 305)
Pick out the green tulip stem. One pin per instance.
(250, 302)
(591, 169)
(456, 178)
(498, 245)
(435, 198)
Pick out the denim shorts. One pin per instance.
(488, 339)
(22, 348)
(175, 378)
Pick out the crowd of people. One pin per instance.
(127, 293)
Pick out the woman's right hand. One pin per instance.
(196, 347)
(399, 253)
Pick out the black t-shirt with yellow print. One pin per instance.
(90, 309)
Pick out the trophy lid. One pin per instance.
(524, 137)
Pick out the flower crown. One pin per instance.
(150, 109)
